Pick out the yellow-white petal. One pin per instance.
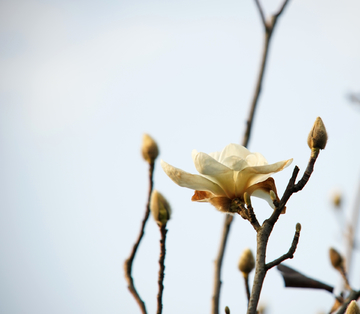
(233, 150)
(215, 171)
(253, 175)
(191, 181)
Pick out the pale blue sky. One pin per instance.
(82, 81)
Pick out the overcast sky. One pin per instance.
(81, 81)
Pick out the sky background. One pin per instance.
(81, 81)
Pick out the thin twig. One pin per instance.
(246, 138)
(247, 287)
(163, 232)
(128, 262)
(352, 230)
(218, 264)
(261, 12)
(289, 254)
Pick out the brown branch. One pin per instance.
(261, 12)
(218, 264)
(353, 225)
(128, 262)
(247, 288)
(354, 295)
(294, 188)
(289, 254)
(265, 230)
(163, 232)
(226, 227)
(227, 223)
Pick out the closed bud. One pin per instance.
(149, 149)
(298, 227)
(353, 308)
(337, 199)
(318, 136)
(335, 258)
(273, 195)
(227, 310)
(246, 262)
(160, 208)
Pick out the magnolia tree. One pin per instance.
(228, 180)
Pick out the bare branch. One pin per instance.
(289, 254)
(163, 232)
(281, 8)
(246, 138)
(218, 264)
(261, 13)
(128, 263)
(247, 287)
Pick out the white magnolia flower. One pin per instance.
(227, 175)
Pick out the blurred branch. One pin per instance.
(228, 219)
(247, 288)
(163, 232)
(353, 225)
(354, 295)
(289, 254)
(128, 263)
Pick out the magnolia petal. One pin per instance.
(235, 163)
(215, 171)
(233, 150)
(256, 159)
(261, 173)
(191, 181)
(221, 203)
(262, 190)
(202, 196)
(215, 155)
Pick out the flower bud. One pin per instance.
(353, 308)
(149, 149)
(160, 208)
(246, 262)
(337, 199)
(318, 136)
(273, 195)
(298, 227)
(227, 310)
(335, 258)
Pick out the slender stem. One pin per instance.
(352, 230)
(247, 287)
(289, 254)
(163, 232)
(129, 262)
(228, 219)
(218, 264)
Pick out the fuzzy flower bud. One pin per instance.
(353, 308)
(246, 262)
(318, 136)
(298, 227)
(160, 208)
(336, 199)
(149, 149)
(335, 258)
(227, 310)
